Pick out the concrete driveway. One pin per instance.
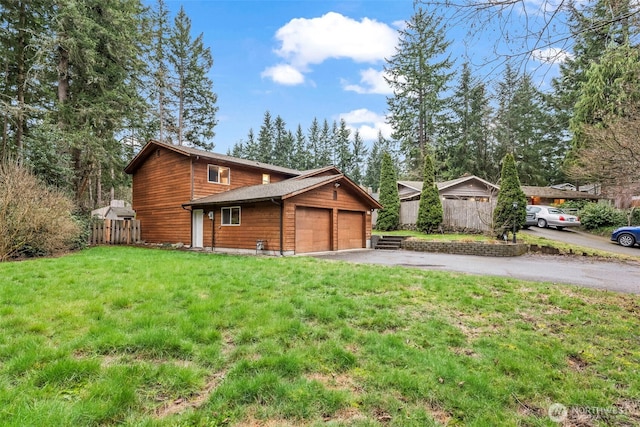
(575, 270)
(580, 238)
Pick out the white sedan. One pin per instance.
(549, 216)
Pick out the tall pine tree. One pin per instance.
(192, 88)
(418, 73)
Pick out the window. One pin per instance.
(266, 178)
(219, 174)
(231, 216)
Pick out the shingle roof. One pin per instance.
(196, 152)
(256, 193)
(554, 193)
(417, 185)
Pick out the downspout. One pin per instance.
(190, 225)
(281, 204)
(213, 231)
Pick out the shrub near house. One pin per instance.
(34, 220)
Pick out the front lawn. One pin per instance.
(134, 336)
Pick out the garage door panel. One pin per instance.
(350, 230)
(313, 230)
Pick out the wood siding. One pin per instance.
(161, 185)
(239, 177)
(258, 221)
(322, 197)
(469, 189)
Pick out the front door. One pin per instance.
(197, 228)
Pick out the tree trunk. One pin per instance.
(20, 84)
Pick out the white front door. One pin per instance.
(197, 228)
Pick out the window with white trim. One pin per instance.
(266, 178)
(230, 216)
(219, 174)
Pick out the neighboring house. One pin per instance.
(117, 209)
(468, 187)
(555, 196)
(467, 203)
(209, 200)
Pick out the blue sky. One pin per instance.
(303, 59)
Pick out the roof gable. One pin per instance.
(280, 191)
(148, 149)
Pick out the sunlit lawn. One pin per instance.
(134, 336)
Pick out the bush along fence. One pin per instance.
(115, 232)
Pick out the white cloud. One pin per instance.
(368, 123)
(551, 55)
(304, 42)
(284, 74)
(312, 41)
(371, 81)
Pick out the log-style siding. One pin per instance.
(258, 221)
(160, 186)
(239, 177)
(323, 197)
(164, 179)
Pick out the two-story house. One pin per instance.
(209, 200)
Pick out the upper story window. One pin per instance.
(219, 174)
(266, 178)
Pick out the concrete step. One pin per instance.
(389, 242)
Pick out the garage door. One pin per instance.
(350, 230)
(313, 230)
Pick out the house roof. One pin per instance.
(196, 152)
(278, 190)
(122, 211)
(554, 193)
(417, 185)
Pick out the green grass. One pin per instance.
(133, 336)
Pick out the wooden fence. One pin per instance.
(115, 232)
(458, 214)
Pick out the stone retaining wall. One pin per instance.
(467, 248)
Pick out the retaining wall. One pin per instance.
(467, 248)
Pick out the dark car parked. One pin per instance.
(626, 236)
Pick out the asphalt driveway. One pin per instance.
(580, 238)
(575, 270)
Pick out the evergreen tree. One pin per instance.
(302, 159)
(418, 74)
(265, 139)
(526, 126)
(325, 144)
(430, 213)
(374, 162)
(160, 82)
(342, 153)
(505, 215)
(282, 144)
(23, 95)
(97, 61)
(192, 89)
(314, 144)
(389, 215)
(468, 147)
(358, 154)
(251, 147)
